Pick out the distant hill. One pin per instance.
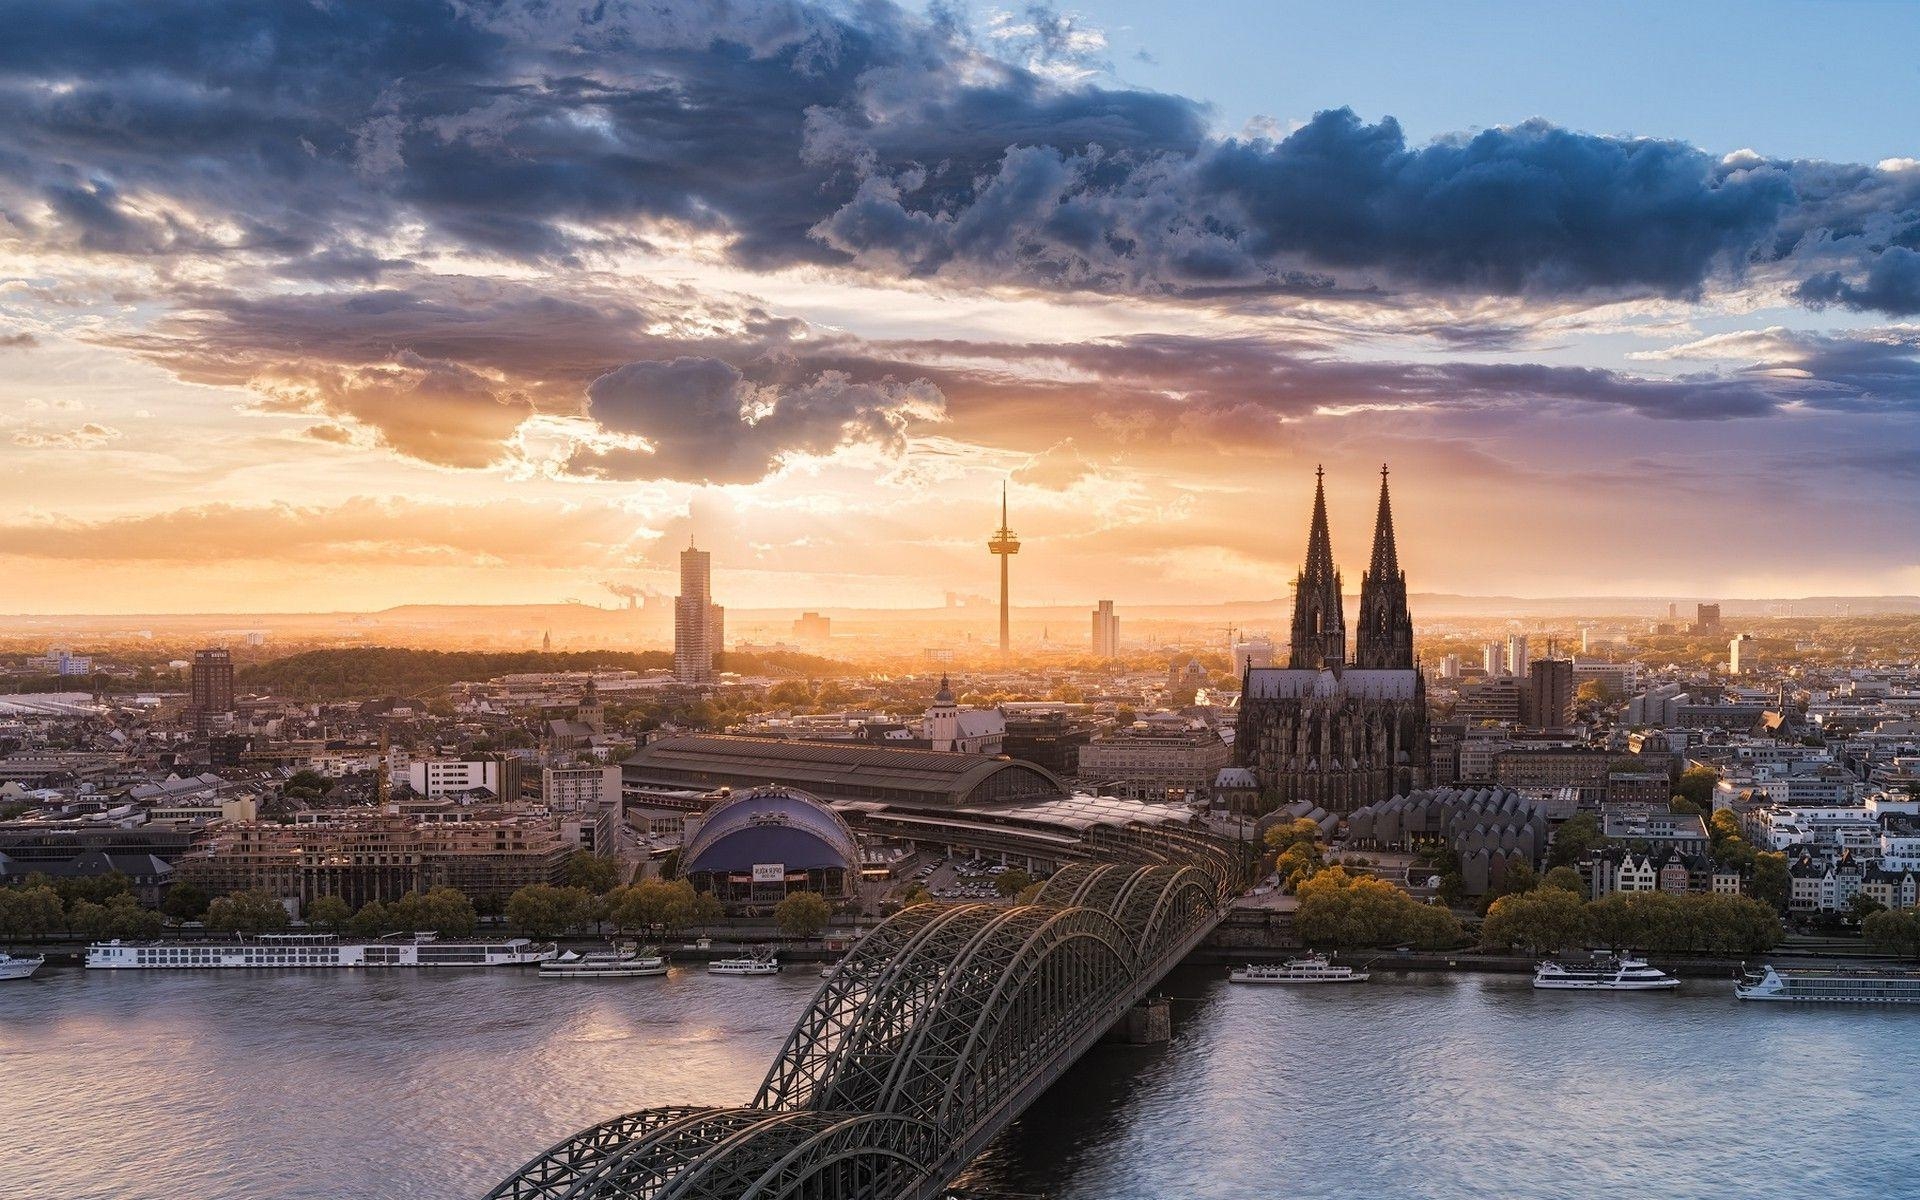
(389, 671)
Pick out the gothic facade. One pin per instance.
(1336, 732)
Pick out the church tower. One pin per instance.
(1384, 640)
(943, 718)
(590, 711)
(1319, 625)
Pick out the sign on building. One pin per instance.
(769, 872)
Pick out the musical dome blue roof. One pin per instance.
(770, 825)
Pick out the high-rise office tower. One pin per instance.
(699, 625)
(212, 688)
(1549, 694)
(1517, 656)
(1004, 546)
(1106, 631)
(1733, 653)
(1493, 659)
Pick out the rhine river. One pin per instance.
(377, 1085)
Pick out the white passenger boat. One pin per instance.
(621, 963)
(1830, 985)
(760, 962)
(270, 951)
(1623, 974)
(19, 968)
(1314, 968)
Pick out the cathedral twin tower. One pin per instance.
(1324, 730)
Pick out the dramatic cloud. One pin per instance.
(703, 421)
(305, 135)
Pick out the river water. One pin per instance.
(382, 1085)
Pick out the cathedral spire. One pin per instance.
(1385, 635)
(1319, 625)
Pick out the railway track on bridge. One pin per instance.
(928, 1039)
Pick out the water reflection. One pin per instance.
(384, 1086)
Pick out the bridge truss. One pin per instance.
(932, 1035)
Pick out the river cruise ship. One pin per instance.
(1314, 968)
(19, 968)
(1830, 985)
(759, 962)
(1622, 974)
(621, 963)
(270, 951)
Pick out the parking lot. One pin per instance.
(956, 878)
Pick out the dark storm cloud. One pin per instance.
(850, 135)
(1891, 285)
(447, 369)
(706, 422)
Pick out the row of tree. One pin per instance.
(1893, 931)
(36, 911)
(1553, 916)
(1344, 910)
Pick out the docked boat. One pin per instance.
(621, 963)
(1621, 974)
(760, 962)
(272, 951)
(19, 968)
(1314, 968)
(1830, 985)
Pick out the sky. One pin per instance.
(315, 307)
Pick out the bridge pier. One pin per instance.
(1148, 1023)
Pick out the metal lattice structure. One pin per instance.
(926, 1040)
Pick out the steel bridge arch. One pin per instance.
(933, 1031)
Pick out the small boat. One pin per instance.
(1622, 974)
(19, 968)
(760, 962)
(1830, 985)
(620, 963)
(1314, 968)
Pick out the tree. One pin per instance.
(1300, 829)
(645, 905)
(542, 910)
(29, 912)
(1697, 784)
(1578, 835)
(803, 914)
(1771, 882)
(1547, 918)
(598, 873)
(126, 919)
(1566, 879)
(330, 913)
(88, 920)
(1685, 807)
(1863, 906)
(1592, 691)
(185, 901)
(255, 911)
(1518, 879)
(371, 921)
(917, 894)
(1338, 909)
(1297, 863)
(1011, 883)
(1894, 931)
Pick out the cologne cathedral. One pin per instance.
(1330, 731)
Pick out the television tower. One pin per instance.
(1003, 546)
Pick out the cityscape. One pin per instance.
(893, 602)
